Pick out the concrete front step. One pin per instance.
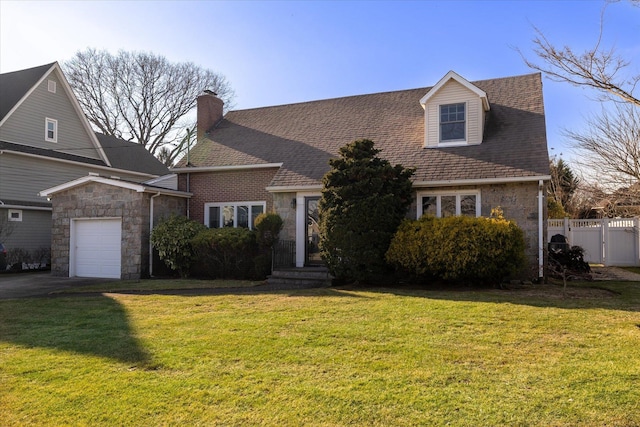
(303, 277)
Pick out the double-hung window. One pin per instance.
(452, 122)
(50, 130)
(236, 214)
(444, 204)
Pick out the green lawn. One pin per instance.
(325, 357)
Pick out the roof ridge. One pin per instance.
(426, 88)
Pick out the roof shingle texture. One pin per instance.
(305, 136)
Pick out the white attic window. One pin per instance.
(50, 130)
(454, 113)
(51, 85)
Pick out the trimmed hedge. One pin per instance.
(225, 253)
(461, 249)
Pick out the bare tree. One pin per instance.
(609, 147)
(141, 97)
(598, 68)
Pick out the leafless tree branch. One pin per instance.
(141, 97)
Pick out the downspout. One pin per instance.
(540, 229)
(150, 230)
(188, 191)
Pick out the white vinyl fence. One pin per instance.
(605, 241)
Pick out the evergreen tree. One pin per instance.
(364, 200)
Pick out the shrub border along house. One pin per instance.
(459, 249)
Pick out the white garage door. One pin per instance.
(97, 248)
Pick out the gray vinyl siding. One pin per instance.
(27, 123)
(32, 233)
(23, 177)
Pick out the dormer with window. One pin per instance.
(454, 113)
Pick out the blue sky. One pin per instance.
(283, 52)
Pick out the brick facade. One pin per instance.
(226, 186)
(97, 200)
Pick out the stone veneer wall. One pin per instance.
(96, 200)
(282, 206)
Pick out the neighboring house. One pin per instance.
(475, 146)
(45, 141)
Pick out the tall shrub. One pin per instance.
(364, 200)
(267, 227)
(172, 240)
(473, 250)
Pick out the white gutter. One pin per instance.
(27, 208)
(294, 188)
(420, 184)
(150, 230)
(226, 168)
(451, 182)
(540, 229)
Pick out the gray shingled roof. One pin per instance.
(305, 136)
(130, 156)
(14, 85)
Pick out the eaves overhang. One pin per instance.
(481, 181)
(140, 188)
(194, 169)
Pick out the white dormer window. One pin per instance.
(452, 122)
(50, 130)
(51, 85)
(454, 113)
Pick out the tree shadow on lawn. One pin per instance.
(98, 325)
(623, 296)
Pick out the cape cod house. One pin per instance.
(475, 146)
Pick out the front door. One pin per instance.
(312, 232)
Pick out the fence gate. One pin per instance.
(605, 241)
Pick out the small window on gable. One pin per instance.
(15, 215)
(51, 85)
(51, 130)
(452, 122)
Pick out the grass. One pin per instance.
(325, 357)
(632, 269)
(157, 284)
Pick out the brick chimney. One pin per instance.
(209, 112)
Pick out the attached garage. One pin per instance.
(96, 247)
(101, 226)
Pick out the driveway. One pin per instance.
(34, 284)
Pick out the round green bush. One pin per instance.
(172, 240)
(461, 249)
(267, 227)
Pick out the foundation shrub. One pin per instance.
(225, 253)
(172, 239)
(267, 227)
(458, 249)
